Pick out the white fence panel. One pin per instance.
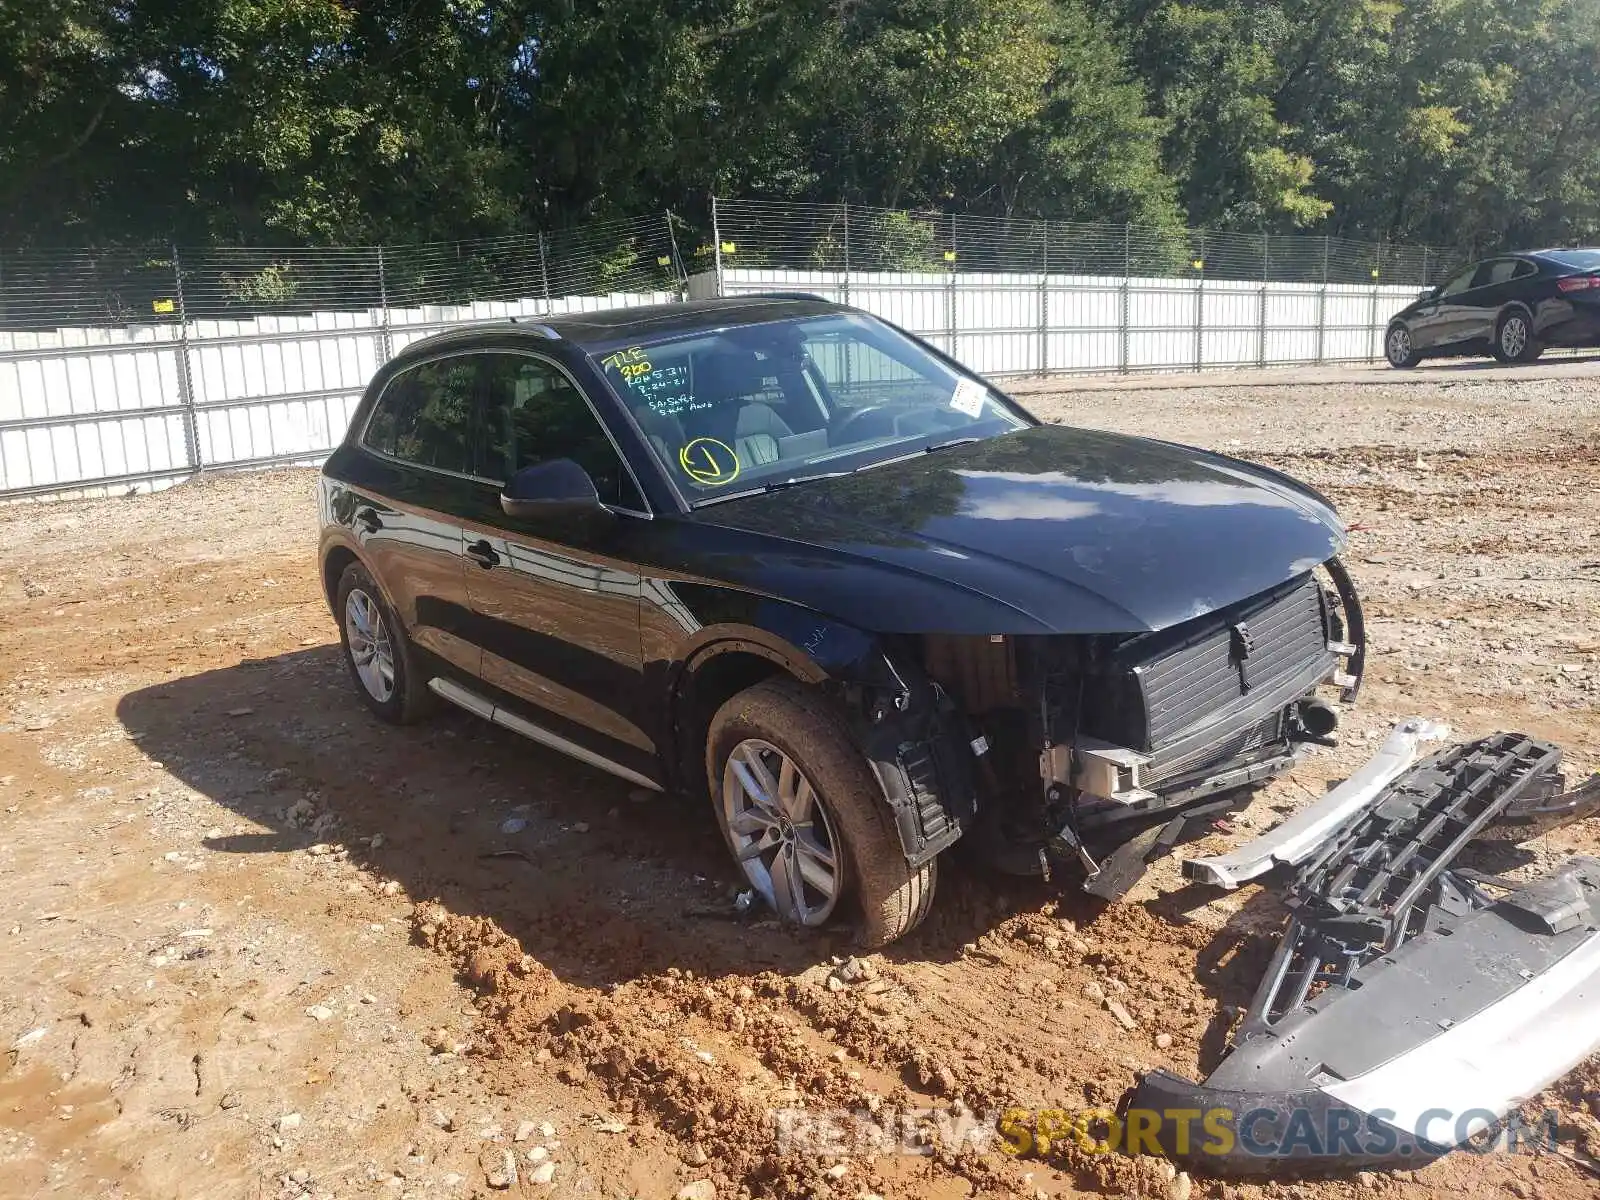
(87, 409)
(210, 394)
(1012, 324)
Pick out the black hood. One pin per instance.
(1063, 530)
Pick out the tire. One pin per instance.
(366, 619)
(1397, 348)
(840, 808)
(1513, 339)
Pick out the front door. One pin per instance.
(556, 608)
(1437, 323)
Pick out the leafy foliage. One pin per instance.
(308, 122)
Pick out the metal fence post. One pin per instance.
(1266, 273)
(950, 289)
(1322, 306)
(1044, 299)
(716, 243)
(191, 423)
(385, 341)
(1127, 294)
(544, 274)
(1372, 311)
(1200, 308)
(844, 208)
(679, 275)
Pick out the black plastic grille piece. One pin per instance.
(1165, 683)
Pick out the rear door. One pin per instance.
(556, 609)
(408, 491)
(1493, 286)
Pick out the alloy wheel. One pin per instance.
(1399, 347)
(1513, 337)
(782, 834)
(371, 652)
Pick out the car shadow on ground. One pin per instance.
(600, 881)
(1494, 364)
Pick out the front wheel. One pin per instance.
(1514, 341)
(805, 817)
(1398, 349)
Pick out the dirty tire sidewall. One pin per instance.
(411, 699)
(889, 896)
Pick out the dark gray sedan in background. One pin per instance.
(1512, 307)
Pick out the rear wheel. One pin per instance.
(377, 651)
(1397, 347)
(1514, 341)
(805, 817)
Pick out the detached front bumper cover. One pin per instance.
(1411, 1004)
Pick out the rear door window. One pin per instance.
(1503, 270)
(426, 415)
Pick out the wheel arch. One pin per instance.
(336, 559)
(903, 726)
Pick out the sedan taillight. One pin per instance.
(1578, 283)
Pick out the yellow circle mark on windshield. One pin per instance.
(709, 462)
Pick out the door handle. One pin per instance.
(368, 520)
(483, 554)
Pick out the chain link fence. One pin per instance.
(853, 238)
(1012, 296)
(126, 368)
(135, 368)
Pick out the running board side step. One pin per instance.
(1410, 1004)
(481, 706)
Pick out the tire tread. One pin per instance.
(893, 898)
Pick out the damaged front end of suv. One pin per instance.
(1100, 752)
(1119, 636)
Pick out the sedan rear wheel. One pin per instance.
(1513, 341)
(1397, 347)
(806, 818)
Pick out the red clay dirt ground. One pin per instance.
(254, 943)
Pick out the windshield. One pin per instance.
(755, 406)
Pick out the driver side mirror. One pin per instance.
(557, 490)
(1428, 293)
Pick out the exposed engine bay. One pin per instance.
(1098, 752)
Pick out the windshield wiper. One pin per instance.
(779, 484)
(775, 486)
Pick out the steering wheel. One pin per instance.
(837, 433)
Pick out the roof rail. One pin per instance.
(540, 329)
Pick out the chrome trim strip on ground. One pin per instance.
(1495, 1059)
(1294, 840)
(479, 706)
